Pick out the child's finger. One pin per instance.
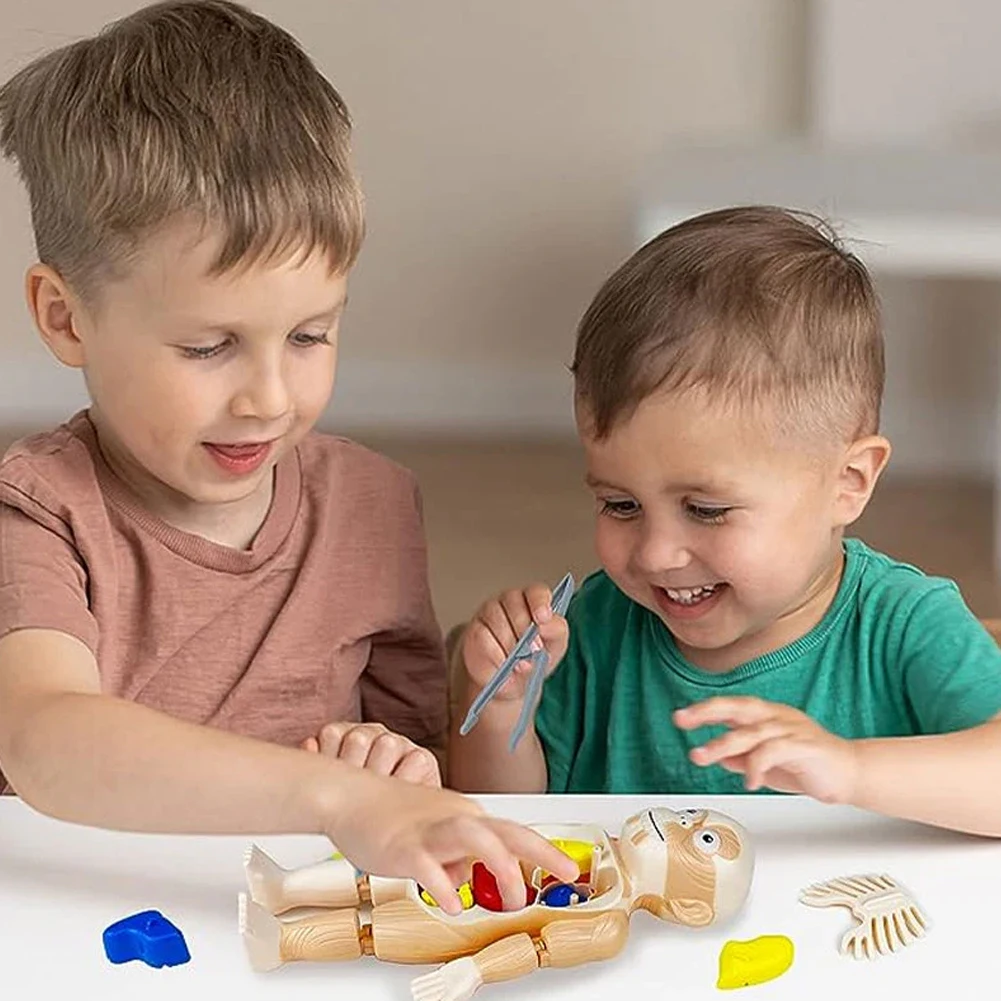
(778, 753)
(736, 710)
(433, 877)
(475, 838)
(480, 646)
(356, 744)
(419, 767)
(385, 753)
(310, 744)
(497, 620)
(533, 848)
(518, 612)
(458, 872)
(330, 737)
(555, 635)
(737, 742)
(539, 600)
(736, 764)
(482, 655)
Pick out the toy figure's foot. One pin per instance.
(455, 981)
(265, 879)
(330, 883)
(262, 935)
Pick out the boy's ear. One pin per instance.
(861, 466)
(55, 310)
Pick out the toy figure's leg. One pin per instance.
(334, 882)
(331, 883)
(561, 943)
(270, 941)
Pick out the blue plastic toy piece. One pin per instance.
(562, 594)
(148, 936)
(563, 895)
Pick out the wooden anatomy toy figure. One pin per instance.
(689, 867)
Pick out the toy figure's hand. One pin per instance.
(392, 828)
(457, 980)
(372, 746)
(495, 629)
(774, 745)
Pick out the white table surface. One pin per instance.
(61, 885)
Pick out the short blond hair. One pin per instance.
(757, 306)
(182, 108)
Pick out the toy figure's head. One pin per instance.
(692, 867)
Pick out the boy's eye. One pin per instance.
(707, 513)
(208, 351)
(305, 340)
(619, 509)
(301, 339)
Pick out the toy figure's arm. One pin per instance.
(561, 943)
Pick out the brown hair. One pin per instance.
(198, 108)
(756, 306)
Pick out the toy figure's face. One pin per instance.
(689, 866)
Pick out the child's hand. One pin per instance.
(433, 835)
(776, 746)
(495, 629)
(373, 747)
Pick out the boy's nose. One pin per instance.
(264, 396)
(660, 551)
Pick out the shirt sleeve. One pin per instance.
(561, 708)
(43, 578)
(951, 664)
(405, 684)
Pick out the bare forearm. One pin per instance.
(95, 760)
(480, 762)
(947, 780)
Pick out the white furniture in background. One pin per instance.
(907, 211)
(61, 885)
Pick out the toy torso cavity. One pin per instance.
(412, 929)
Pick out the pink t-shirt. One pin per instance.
(327, 616)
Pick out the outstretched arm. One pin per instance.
(85, 757)
(945, 779)
(949, 779)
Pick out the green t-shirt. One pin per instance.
(898, 653)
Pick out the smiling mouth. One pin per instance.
(239, 450)
(692, 595)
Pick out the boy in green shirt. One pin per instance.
(728, 385)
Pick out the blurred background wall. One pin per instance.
(499, 144)
(504, 148)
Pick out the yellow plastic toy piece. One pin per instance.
(582, 852)
(742, 964)
(465, 896)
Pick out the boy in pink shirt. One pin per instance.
(195, 585)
